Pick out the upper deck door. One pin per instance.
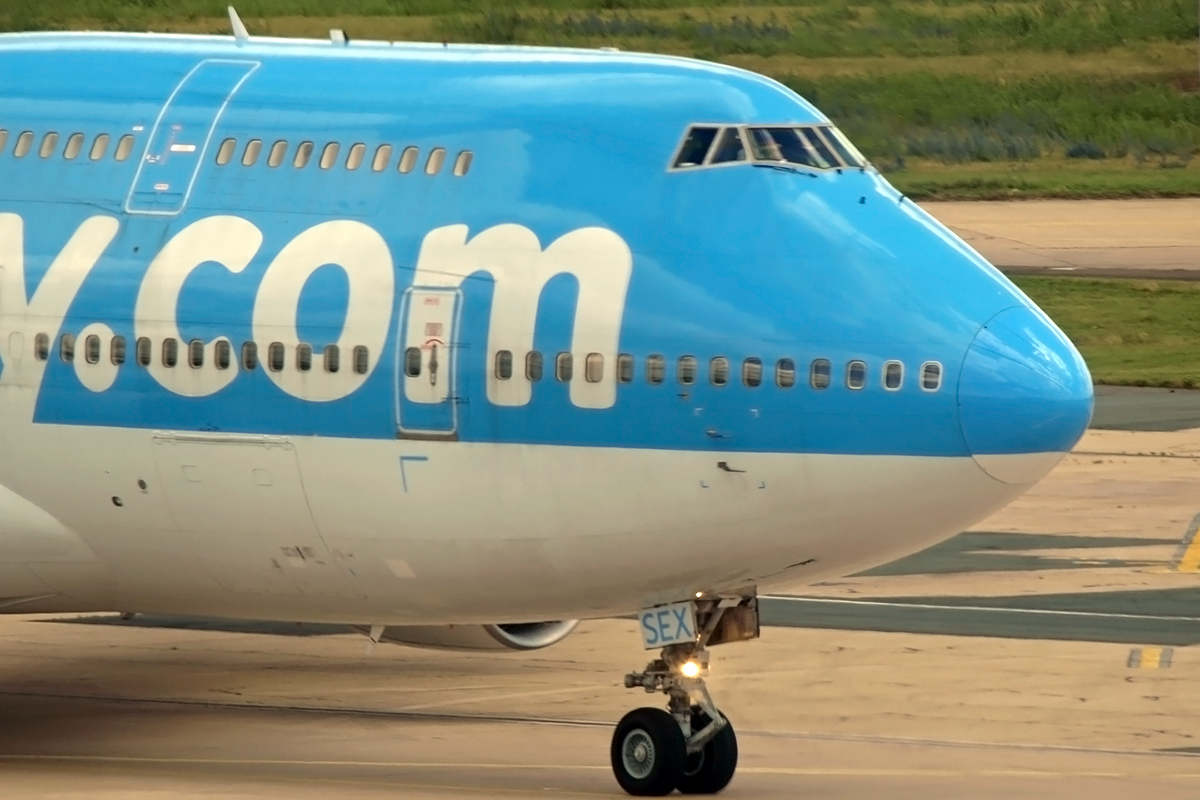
(427, 405)
(182, 135)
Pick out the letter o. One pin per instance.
(364, 255)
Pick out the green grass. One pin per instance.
(952, 98)
(1131, 332)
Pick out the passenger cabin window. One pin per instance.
(24, 144)
(329, 155)
(195, 354)
(656, 369)
(304, 357)
(408, 160)
(695, 146)
(785, 373)
(91, 349)
(362, 360)
(124, 147)
(332, 358)
(931, 376)
(730, 147)
(533, 366)
(304, 152)
(170, 352)
(249, 356)
(99, 147)
(275, 354)
(354, 158)
(437, 157)
(856, 375)
(504, 364)
(462, 164)
(893, 375)
(74, 147)
(3, 139)
(116, 350)
(624, 368)
(142, 351)
(41, 346)
(225, 152)
(718, 371)
(66, 347)
(222, 354)
(819, 373)
(383, 154)
(564, 367)
(752, 372)
(593, 368)
(278, 154)
(412, 362)
(251, 153)
(686, 370)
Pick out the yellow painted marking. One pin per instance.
(1190, 562)
(1150, 657)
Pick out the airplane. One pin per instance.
(462, 344)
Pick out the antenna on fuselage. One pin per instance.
(240, 34)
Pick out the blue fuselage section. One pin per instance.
(745, 261)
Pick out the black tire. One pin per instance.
(648, 752)
(710, 770)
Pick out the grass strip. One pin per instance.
(1131, 332)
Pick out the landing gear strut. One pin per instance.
(691, 746)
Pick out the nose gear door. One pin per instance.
(180, 139)
(426, 400)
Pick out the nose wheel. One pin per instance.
(691, 745)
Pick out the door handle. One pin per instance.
(433, 366)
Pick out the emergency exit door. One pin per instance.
(427, 401)
(181, 138)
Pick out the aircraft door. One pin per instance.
(182, 136)
(427, 404)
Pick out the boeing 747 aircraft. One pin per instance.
(462, 344)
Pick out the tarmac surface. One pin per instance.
(1104, 238)
(1049, 652)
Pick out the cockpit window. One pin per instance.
(730, 148)
(814, 146)
(696, 146)
(784, 144)
(817, 143)
(845, 149)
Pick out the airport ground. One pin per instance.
(1048, 652)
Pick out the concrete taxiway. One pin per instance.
(1107, 238)
(839, 698)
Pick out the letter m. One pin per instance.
(598, 259)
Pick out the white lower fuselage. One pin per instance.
(394, 532)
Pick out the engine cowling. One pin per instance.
(511, 636)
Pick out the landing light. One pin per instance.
(690, 669)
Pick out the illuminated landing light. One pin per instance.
(690, 669)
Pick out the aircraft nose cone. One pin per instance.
(1024, 396)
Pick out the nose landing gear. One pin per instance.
(691, 746)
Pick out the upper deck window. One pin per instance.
(124, 147)
(24, 142)
(696, 146)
